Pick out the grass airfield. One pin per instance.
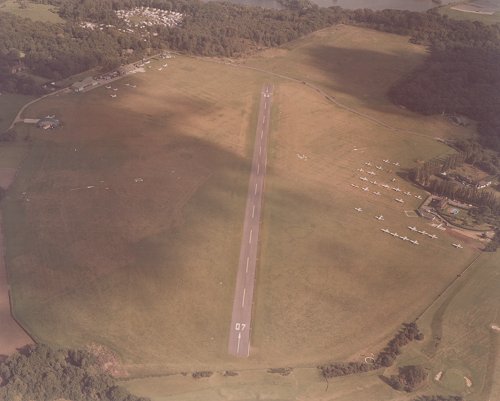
(138, 267)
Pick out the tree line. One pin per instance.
(39, 372)
(385, 358)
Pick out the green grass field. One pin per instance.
(147, 268)
(33, 11)
(145, 261)
(9, 106)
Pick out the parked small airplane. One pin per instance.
(354, 185)
(368, 163)
(457, 246)
(386, 161)
(396, 164)
(360, 169)
(385, 185)
(433, 236)
(115, 89)
(363, 178)
(371, 172)
(381, 218)
(423, 232)
(396, 189)
(108, 87)
(394, 234)
(112, 95)
(378, 167)
(385, 230)
(417, 196)
(412, 228)
(365, 189)
(399, 200)
(405, 238)
(358, 209)
(407, 193)
(376, 193)
(414, 242)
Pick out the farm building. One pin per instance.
(48, 123)
(82, 85)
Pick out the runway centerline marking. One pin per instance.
(241, 319)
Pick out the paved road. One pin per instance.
(239, 335)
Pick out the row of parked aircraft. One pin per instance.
(423, 232)
(389, 162)
(396, 235)
(397, 189)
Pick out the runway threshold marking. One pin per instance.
(240, 331)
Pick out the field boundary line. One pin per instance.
(448, 287)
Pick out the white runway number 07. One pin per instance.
(240, 326)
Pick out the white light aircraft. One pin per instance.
(433, 236)
(354, 185)
(396, 164)
(381, 218)
(365, 189)
(112, 95)
(399, 200)
(108, 87)
(358, 209)
(376, 193)
(368, 163)
(394, 234)
(405, 238)
(407, 193)
(371, 172)
(457, 246)
(363, 178)
(396, 189)
(386, 161)
(385, 230)
(378, 167)
(412, 228)
(361, 170)
(414, 242)
(385, 185)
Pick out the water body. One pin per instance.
(412, 5)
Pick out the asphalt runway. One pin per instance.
(240, 331)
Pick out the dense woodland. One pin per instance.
(460, 76)
(41, 373)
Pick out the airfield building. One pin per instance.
(84, 84)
